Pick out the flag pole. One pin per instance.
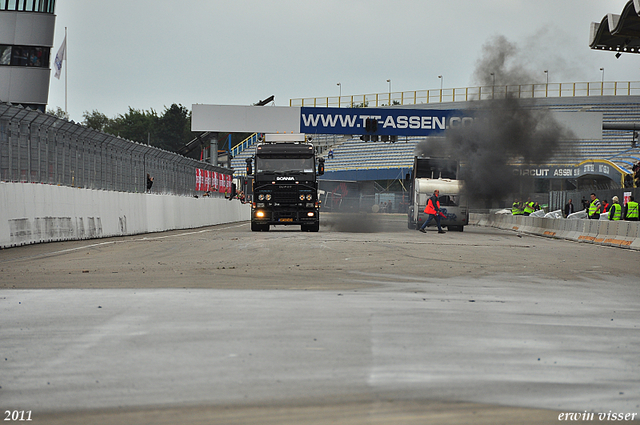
(66, 74)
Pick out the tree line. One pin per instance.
(169, 130)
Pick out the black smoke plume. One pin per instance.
(504, 133)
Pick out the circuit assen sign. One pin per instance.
(353, 121)
(593, 167)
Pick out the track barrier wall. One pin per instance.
(34, 213)
(620, 234)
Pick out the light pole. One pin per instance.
(389, 81)
(339, 97)
(546, 89)
(493, 86)
(602, 84)
(441, 82)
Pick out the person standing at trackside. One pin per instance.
(529, 207)
(149, 183)
(633, 212)
(615, 211)
(595, 207)
(569, 208)
(516, 208)
(433, 209)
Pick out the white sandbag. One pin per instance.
(539, 213)
(554, 214)
(578, 215)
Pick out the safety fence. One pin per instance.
(40, 148)
(621, 234)
(464, 94)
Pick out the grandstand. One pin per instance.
(354, 159)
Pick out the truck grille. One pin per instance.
(289, 197)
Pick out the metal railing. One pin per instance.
(40, 148)
(246, 143)
(525, 91)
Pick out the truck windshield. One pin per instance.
(282, 165)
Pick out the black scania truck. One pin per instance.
(285, 185)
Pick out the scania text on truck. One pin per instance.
(285, 185)
(429, 174)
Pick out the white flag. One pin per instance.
(60, 56)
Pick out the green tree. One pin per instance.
(96, 120)
(136, 125)
(58, 112)
(173, 129)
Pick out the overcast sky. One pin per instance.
(151, 53)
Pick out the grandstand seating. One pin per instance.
(352, 154)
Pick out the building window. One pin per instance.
(5, 55)
(24, 56)
(46, 6)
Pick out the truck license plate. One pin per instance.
(286, 219)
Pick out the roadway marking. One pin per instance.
(64, 251)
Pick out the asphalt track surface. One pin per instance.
(364, 322)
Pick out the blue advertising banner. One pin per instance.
(380, 121)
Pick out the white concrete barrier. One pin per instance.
(33, 213)
(634, 234)
(622, 234)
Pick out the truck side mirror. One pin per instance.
(320, 166)
(249, 167)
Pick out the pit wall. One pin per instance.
(621, 234)
(34, 213)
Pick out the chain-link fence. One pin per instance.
(40, 148)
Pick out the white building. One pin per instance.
(26, 40)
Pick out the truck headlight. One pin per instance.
(309, 197)
(268, 197)
(302, 197)
(261, 197)
(310, 214)
(260, 214)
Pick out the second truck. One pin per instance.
(429, 174)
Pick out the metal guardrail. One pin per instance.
(525, 91)
(246, 143)
(40, 148)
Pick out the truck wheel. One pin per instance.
(411, 225)
(255, 227)
(310, 227)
